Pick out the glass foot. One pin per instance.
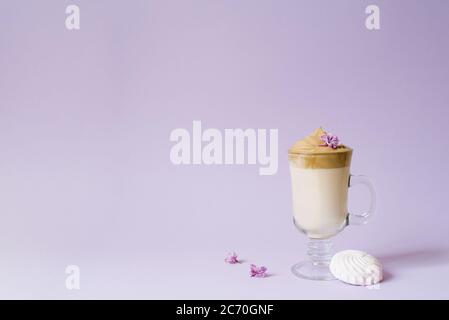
(317, 268)
(312, 271)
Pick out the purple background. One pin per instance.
(85, 118)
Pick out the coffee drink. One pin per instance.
(319, 180)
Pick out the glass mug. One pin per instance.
(320, 183)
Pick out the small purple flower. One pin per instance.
(232, 258)
(257, 272)
(330, 141)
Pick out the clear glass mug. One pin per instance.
(320, 184)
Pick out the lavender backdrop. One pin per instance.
(85, 118)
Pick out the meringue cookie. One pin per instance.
(356, 267)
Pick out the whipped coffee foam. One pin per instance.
(312, 144)
(311, 153)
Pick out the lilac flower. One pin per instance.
(330, 141)
(258, 272)
(232, 258)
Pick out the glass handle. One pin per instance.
(362, 218)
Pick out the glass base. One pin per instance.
(312, 271)
(317, 268)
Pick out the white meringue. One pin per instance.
(356, 267)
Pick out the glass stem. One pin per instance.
(319, 251)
